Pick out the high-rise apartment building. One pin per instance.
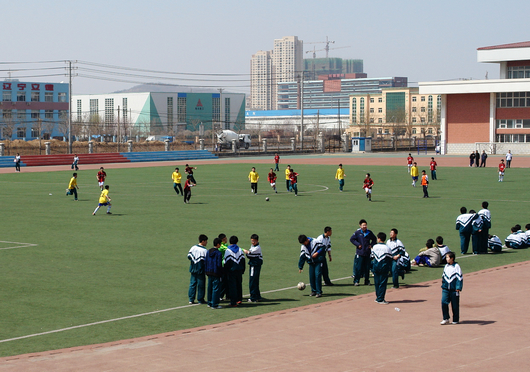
(268, 68)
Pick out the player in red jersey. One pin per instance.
(502, 167)
(410, 160)
(271, 177)
(433, 165)
(101, 178)
(293, 178)
(277, 162)
(367, 186)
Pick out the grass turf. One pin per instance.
(85, 269)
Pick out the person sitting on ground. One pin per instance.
(527, 233)
(494, 243)
(514, 240)
(522, 235)
(443, 248)
(428, 256)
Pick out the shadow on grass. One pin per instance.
(406, 301)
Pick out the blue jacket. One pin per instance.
(365, 240)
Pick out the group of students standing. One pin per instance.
(224, 264)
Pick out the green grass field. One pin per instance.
(66, 268)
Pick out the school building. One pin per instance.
(491, 115)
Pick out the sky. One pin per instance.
(210, 43)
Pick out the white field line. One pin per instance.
(18, 245)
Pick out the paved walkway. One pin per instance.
(351, 334)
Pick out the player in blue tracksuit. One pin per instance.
(197, 255)
(515, 240)
(314, 254)
(485, 214)
(255, 260)
(400, 265)
(363, 239)
(464, 225)
(452, 282)
(476, 231)
(381, 266)
(235, 267)
(494, 243)
(214, 270)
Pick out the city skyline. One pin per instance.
(211, 45)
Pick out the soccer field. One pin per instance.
(70, 278)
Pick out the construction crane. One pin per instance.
(326, 49)
(327, 42)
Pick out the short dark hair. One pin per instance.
(202, 238)
(254, 236)
(368, 174)
(451, 254)
(514, 229)
(75, 174)
(485, 204)
(362, 221)
(302, 238)
(439, 240)
(327, 228)
(217, 242)
(463, 210)
(233, 239)
(430, 243)
(381, 236)
(340, 165)
(176, 169)
(518, 227)
(107, 187)
(472, 211)
(394, 230)
(527, 226)
(222, 236)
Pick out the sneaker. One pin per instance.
(318, 295)
(67, 193)
(444, 322)
(382, 302)
(191, 302)
(217, 307)
(328, 284)
(367, 282)
(356, 284)
(454, 323)
(239, 302)
(313, 294)
(109, 213)
(251, 300)
(395, 287)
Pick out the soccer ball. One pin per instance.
(266, 199)
(301, 286)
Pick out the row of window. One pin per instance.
(518, 72)
(514, 138)
(513, 99)
(512, 124)
(414, 130)
(414, 120)
(34, 114)
(21, 96)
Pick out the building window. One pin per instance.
(371, 100)
(35, 132)
(35, 97)
(7, 114)
(109, 111)
(439, 109)
(429, 131)
(79, 110)
(48, 114)
(414, 130)
(387, 131)
(21, 96)
(413, 99)
(21, 114)
(361, 111)
(216, 109)
(380, 120)
(94, 107)
(21, 132)
(513, 99)
(422, 109)
(380, 100)
(422, 119)
(63, 114)
(371, 110)
(380, 110)
(371, 120)
(61, 96)
(48, 96)
(6, 96)
(227, 113)
(423, 98)
(170, 112)
(414, 109)
(181, 109)
(35, 114)
(430, 109)
(125, 110)
(354, 110)
(518, 72)
(414, 120)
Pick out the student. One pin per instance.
(428, 256)
(464, 225)
(515, 240)
(363, 239)
(494, 243)
(433, 165)
(410, 160)
(197, 256)
(381, 266)
(287, 179)
(253, 177)
(214, 270)
(255, 260)
(485, 214)
(276, 162)
(483, 158)
(414, 174)
(527, 234)
(74, 164)
(399, 266)
(101, 177)
(17, 162)
(314, 254)
(476, 231)
(425, 183)
(443, 249)
(224, 279)
(177, 177)
(339, 175)
(235, 267)
(293, 182)
(368, 183)
(477, 158)
(72, 186)
(325, 240)
(271, 177)
(189, 171)
(502, 167)
(472, 158)
(187, 189)
(104, 200)
(509, 159)
(452, 282)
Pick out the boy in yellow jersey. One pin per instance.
(253, 177)
(287, 178)
(414, 173)
(340, 176)
(72, 186)
(176, 176)
(104, 200)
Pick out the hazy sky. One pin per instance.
(422, 40)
